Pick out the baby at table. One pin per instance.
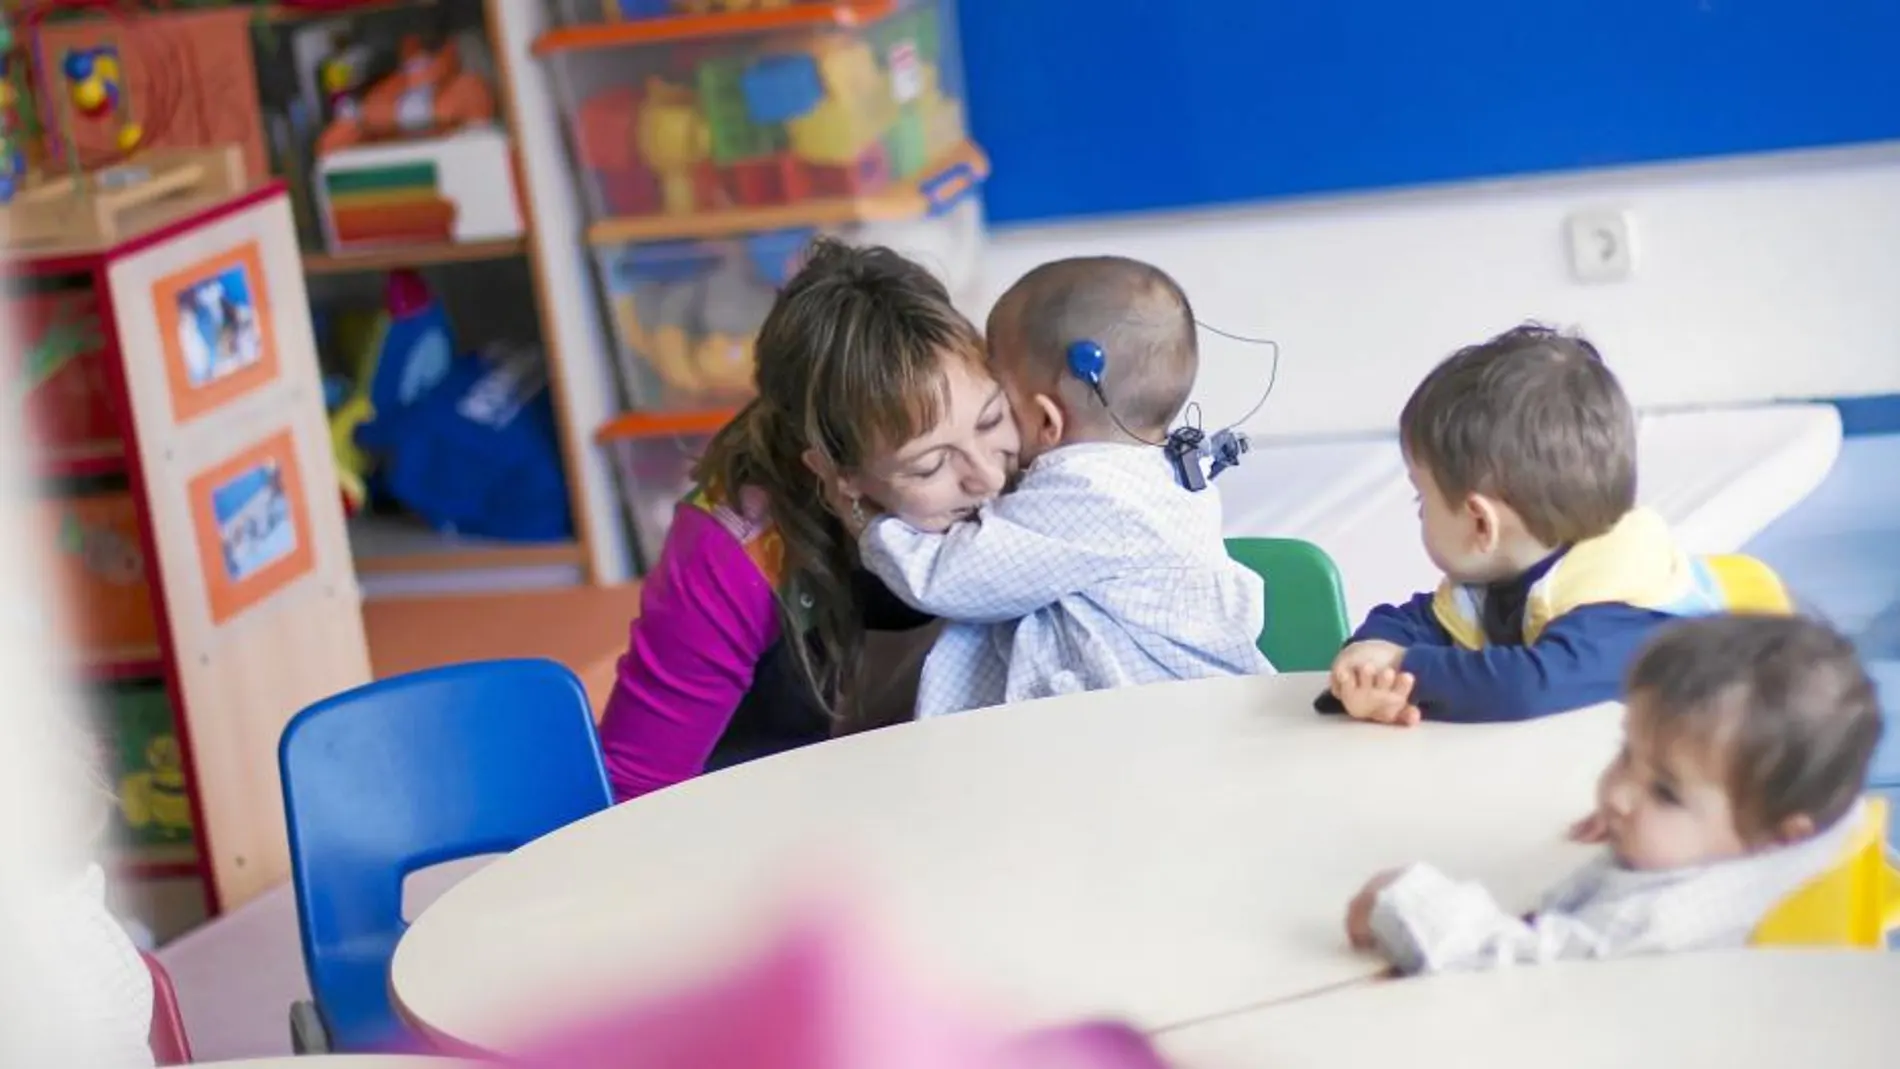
(1746, 744)
(1101, 569)
(1523, 452)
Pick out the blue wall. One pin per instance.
(1090, 106)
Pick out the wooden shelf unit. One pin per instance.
(394, 257)
(593, 561)
(398, 546)
(105, 458)
(282, 13)
(193, 546)
(157, 862)
(840, 14)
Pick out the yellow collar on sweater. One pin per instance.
(1635, 563)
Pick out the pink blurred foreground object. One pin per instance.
(819, 1000)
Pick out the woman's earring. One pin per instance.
(857, 510)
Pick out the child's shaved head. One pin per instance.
(1134, 311)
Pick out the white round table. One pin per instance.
(1156, 854)
(1734, 1009)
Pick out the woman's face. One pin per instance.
(946, 473)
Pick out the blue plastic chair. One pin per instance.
(403, 774)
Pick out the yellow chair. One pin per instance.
(1748, 585)
(1855, 904)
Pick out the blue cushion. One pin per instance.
(1886, 767)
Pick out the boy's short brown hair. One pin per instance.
(1784, 700)
(1137, 313)
(1534, 419)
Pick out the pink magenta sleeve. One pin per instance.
(707, 616)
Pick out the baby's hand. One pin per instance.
(1383, 697)
(1591, 829)
(1372, 654)
(1359, 912)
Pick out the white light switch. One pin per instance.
(1601, 244)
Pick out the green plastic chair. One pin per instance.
(1306, 605)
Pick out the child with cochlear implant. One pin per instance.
(1100, 569)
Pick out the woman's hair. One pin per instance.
(850, 362)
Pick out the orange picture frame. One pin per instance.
(214, 322)
(252, 525)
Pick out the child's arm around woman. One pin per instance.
(1021, 553)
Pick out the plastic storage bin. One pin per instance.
(708, 122)
(685, 313)
(653, 456)
(584, 12)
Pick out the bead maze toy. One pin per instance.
(96, 86)
(12, 145)
(81, 95)
(93, 88)
(112, 77)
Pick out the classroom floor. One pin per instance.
(582, 627)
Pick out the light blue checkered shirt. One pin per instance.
(1099, 571)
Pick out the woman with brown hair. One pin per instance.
(873, 395)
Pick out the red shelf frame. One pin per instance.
(132, 866)
(842, 14)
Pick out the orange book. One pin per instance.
(431, 220)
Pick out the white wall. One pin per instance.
(1755, 278)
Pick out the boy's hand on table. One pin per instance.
(1359, 912)
(1374, 654)
(1383, 696)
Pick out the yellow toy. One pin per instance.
(157, 796)
(673, 139)
(351, 461)
(669, 340)
(1855, 904)
(857, 109)
(724, 362)
(716, 362)
(359, 333)
(95, 83)
(696, 334)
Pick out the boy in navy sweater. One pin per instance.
(1523, 451)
